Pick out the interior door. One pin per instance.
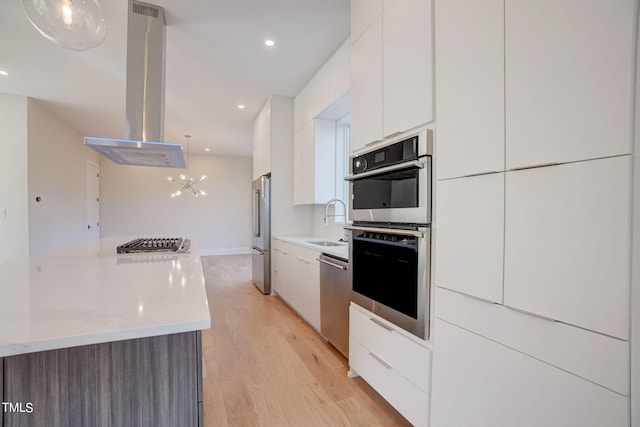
(93, 202)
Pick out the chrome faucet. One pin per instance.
(326, 210)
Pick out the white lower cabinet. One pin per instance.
(296, 279)
(394, 364)
(478, 382)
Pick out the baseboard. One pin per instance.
(225, 251)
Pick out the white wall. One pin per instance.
(635, 257)
(333, 230)
(14, 230)
(57, 166)
(135, 201)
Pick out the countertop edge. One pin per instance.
(331, 250)
(8, 350)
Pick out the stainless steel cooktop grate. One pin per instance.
(166, 244)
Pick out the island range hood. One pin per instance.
(143, 144)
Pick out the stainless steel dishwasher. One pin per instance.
(335, 296)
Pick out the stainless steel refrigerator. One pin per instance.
(261, 256)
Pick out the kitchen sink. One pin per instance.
(324, 243)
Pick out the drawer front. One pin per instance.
(409, 400)
(407, 357)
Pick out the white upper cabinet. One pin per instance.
(297, 111)
(363, 14)
(339, 73)
(469, 61)
(391, 72)
(366, 87)
(315, 95)
(262, 142)
(314, 170)
(567, 239)
(407, 70)
(569, 79)
(469, 237)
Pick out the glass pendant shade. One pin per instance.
(72, 24)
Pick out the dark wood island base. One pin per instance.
(153, 381)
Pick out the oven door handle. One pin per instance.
(413, 233)
(406, 165)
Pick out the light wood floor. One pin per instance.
(265, 366)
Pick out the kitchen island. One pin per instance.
(89, 337)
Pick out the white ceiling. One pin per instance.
(216, 59)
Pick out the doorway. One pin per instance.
(93, 202)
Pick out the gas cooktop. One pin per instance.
(145, 245)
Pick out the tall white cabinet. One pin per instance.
(533, 211)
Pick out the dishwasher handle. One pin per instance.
(333, 264)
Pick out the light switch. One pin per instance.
(3, 213)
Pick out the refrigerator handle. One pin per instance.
(256, 213)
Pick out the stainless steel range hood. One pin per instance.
(143, 144)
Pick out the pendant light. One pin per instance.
(186, 182)
(72, 24)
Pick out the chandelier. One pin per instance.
(185, 182)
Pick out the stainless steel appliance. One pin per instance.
(392, 183)
(261, 257)
(390, 239)
(335, 294)
(391, 271)
(161, 244)
(144, 143)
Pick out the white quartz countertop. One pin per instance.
(341, 251)
(89, 295)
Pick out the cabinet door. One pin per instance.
(324, 161)
(276, 269)
(339, 70)
(261, 155)
(469, 60)
(303, 165)
(469, 238)
(477, 382)
(569, 86)
(262, 142)
(407, 46)
(363, 13)
(366, 87)
(306, 285)
(285, 285)
(309, 282)
(298, 111)
(567, 239)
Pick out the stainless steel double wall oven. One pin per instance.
(390, 239)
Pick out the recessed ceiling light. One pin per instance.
(3, 73)
(207, 149)
(269, 43)
(240, 106)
